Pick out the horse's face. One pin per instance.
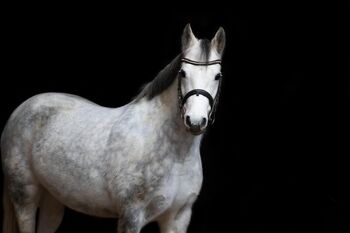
(199, 77)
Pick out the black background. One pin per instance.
(276, 158)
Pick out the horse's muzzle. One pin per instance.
(196, 128)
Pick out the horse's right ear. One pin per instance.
(188, 38)
(219, 41)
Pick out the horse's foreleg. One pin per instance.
(176, 222)
(25, 205)
(50, 214)
(26, 217)
(131, 222)
(125, 226)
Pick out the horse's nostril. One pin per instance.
(188, 121)
(204, 122)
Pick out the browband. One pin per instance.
(198, 63)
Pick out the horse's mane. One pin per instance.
(167, 75)
(162, 81)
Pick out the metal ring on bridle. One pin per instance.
(197, 92)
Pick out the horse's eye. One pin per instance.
(218, 76)
(182, 73)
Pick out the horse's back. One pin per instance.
(34, 113)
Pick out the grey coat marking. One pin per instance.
(138, 162)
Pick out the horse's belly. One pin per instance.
(88, 200)
(81, 189)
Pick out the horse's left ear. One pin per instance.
(219, 40)
(188, 38)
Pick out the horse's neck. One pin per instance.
(168, 104)
(170, 125)
(186, 144)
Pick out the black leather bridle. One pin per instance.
(212, 101)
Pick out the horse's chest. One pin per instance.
(188, 184)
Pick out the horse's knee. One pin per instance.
(22, 193)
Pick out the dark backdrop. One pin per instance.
(276, 158)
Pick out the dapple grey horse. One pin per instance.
(138, 163)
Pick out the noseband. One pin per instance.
(212, 101)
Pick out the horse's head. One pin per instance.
(200, 79)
